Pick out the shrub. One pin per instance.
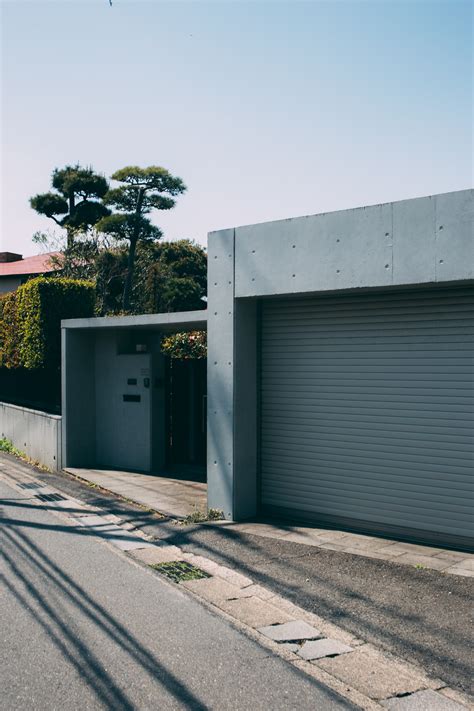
(31, 324)
(9, 331)
(185, 345)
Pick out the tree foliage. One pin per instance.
(142, 190)
(76, 205)
(169, 276)
(177, 280)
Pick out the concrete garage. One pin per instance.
(341, 369)
(340, 373)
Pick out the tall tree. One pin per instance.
(177, 278)
(75, 203)
(142, 190)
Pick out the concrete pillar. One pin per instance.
(231, 387)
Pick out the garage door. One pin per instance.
(367, 411)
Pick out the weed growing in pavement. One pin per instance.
(198, 516)
(179, 571)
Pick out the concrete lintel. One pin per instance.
(186, 320)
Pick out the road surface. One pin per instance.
(83, 627)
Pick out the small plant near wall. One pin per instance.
(186, 345)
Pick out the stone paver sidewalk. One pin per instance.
(179, 498)
(447, 561)
(173, 497)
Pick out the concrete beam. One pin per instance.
(185, 320)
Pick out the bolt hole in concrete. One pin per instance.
(179, 571)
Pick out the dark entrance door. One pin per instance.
(186, 413)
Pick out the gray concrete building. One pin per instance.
(114, 391)
(340, 380)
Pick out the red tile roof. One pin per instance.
(39, 264)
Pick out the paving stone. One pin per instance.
(330, 536)
(259, 591)
(232, 577)
(459, 697)
(254, 612)
(454, 570)
(290, 631)
(455, 555)
(369, 544)
(94, 520)
(335, 546)
(215, 590)
(416, 548)
(128, 544)
(427, 700)
(291, 646)
(377, 554)
(120, 538)
(373, 674)
(323, 648)
(158, 554)
(467, 564)
(204, 563)
(426, 561)
(305, 539)
(263, 529)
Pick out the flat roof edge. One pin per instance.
(179, 318)
(354, 208)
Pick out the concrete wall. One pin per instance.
(36, 433)
(421, 241)
(78, 398)
(415, 242)
(91, 353)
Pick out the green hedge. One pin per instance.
(9, 332)
(30, 328)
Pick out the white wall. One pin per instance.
(37, 434)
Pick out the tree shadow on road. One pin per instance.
(27, 591)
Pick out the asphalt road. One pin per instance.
(422, 616)
(82, 627)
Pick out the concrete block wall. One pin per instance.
(36, 433)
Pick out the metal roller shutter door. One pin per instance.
(367, 411)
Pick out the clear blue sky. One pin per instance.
(266, 109)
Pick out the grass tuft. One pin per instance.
(198, 516)
(9, 448)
